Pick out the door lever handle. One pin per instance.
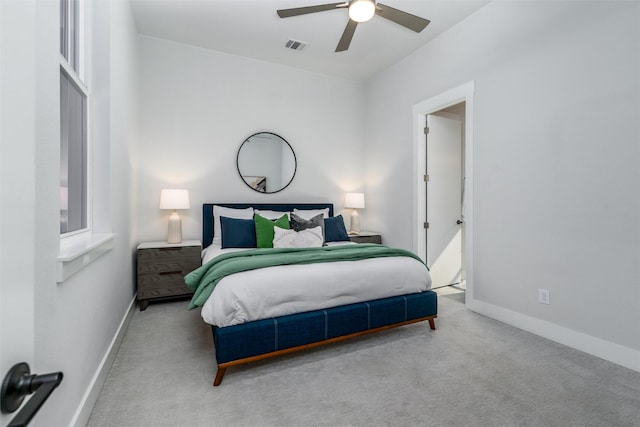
(19, 383)
(459, 221)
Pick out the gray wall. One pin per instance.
(556, 151)
(198, 106)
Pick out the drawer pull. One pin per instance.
(169, 249)
(170, 272)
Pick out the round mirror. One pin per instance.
(266, 162)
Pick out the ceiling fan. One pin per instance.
(360, 11)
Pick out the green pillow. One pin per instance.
(264, 229)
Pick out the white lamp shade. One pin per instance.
(354, 201)
(362, 10)
(174, 199)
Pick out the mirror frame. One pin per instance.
(295, 162)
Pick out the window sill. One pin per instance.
(78, 252)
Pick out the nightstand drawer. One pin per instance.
(161, 260)
(161, 285)
(367, 238)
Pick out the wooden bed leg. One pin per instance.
(219, 376)
(432, 324)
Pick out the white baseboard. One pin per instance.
(81, 417)
(612, 352)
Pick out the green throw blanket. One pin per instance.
(205, 278)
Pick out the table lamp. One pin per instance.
(174, 199)
(354, 201)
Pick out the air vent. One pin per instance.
(295, 44)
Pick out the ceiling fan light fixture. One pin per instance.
(362, 10)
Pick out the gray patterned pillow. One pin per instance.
(298, 223)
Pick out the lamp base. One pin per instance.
(354, 227)
(174, 234)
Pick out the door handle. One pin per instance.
(19, 383)
(459, 221)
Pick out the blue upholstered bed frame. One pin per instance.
(252, 341)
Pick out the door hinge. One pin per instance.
(426, 225)
(426, 177)
(426, 130)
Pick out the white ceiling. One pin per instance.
(251, 28)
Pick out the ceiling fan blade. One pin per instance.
(347, 35)
(405, 19)
(287, 13)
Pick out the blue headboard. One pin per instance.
(207, 213)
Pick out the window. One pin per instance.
(80, 241)
(69, 34)
(74, 97)
(73, 156)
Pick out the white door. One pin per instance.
(444, 200)
(17, 184)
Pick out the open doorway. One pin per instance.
(431, 241)
(444, 137)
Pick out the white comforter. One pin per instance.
(281, 290)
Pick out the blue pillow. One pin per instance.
(334, 230)
(237, 233)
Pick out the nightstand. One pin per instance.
(366, 237)
(162, 267)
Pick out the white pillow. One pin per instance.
(219, 211)
(308, 238)
(272, 214)
(310, 213)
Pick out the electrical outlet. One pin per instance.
(543, 296)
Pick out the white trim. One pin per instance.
(85, 24)
(79, 251)
(615, 353)
(462, 93)
(71, 73)
(81, 416)
(75, 233)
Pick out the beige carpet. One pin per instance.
(471, 371)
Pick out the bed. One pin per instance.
(331, 293)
